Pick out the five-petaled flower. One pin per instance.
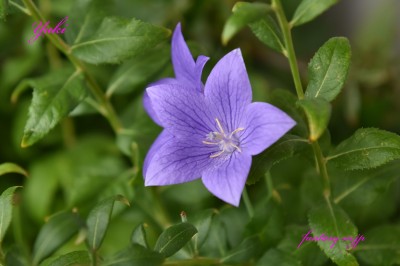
(210, 131)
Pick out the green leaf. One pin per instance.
(6, 168)
(268, 32)
(56, 232)
(309, 9)
(332, 221)
(118, 39)
(138, 71)
(139, 236)
(243, 14)
(328, 69)
(268, 223)
(136, 255)
(6, 205)
(3, 9)
(72, 259)
(203, 225)
(318, 112)
(174, 238)
(367, 148)
(98, 220)
(381, 246)
(277, 257)
(309, 254)
(286, 147)
(248, 249)
(54, 96)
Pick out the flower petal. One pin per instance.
(264, 124)
(176, 161)
(181, 111)
(228, 179)
(186, 70)
(161, 140)
(228, 90)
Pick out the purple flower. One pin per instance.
(211, 134)
(187, 71)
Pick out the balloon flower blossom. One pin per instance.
(210, 131)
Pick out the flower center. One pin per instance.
(227, 143)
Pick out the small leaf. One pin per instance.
(54, 96)
(118, 39)
(6, 168)
(74, 258)
(381, 246)
(309, 9)
(248, 249)
(136, 255)
(138, 71)
(139, 236)
(6, 205)
(56, 232)
(268, 32)
(318, 112)
(328, 69)
(98, 220)
(332, 221)
(174, 238)
(243, 14)
(286, 147)
(367, 148)
(3, 9)
(277, 257)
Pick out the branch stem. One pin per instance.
(247, 203)
(291, 55)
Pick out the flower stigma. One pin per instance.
(227, 143)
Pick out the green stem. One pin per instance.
(321, 162)
(247, 202)
(109, 111)
(291, 55)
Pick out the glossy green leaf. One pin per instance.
(56, 232)
(118, 39)
(247, 250)
(6, 206)
(278, 257)
(381, 246)
(174, 238)
(74, 258)
(309, 9)
(328, 69)
(367, 148)
(6, 168)
(139, 236)
(243, 14)
(286, 147)
(54, 96)
(3, 9)
(268, 32)
(332, 221)
(318, 112)
(138, 71)
(135, 255)
(99, 219)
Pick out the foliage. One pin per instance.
(73, 150)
